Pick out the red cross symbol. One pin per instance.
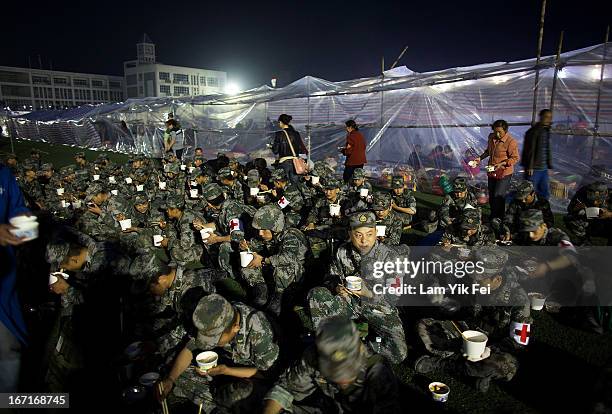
(234, 224)
(398, 283)
(523, 332)
(282, 200)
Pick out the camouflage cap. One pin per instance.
(212, 316)
(80, 154)
(67, 170)
(102, 157)
(173, 201)
(597, 191)
(321, 169)
(29, 165)
(211, 191)
(141, 199)
(278, 174)
(523, 189)
(47, 166)
(397, 182)
(56, 252)
(363, 219)
(226, 173)
(35, 151)
(331, 183)
(199, 158)
(459, 184)
(269, 217)
(95, 189)
(381, 201)
(172, 167)
(82, 174)
(253, 178)
(358, 174)
(470, 219)
(530, 220)
(339, 349)
(493, 260)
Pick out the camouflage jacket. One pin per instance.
(516, 207)
(452, 207)
(394, 228)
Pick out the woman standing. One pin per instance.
(288, 146)
(354, 149)
(502, 150)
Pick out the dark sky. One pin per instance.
(254, 40)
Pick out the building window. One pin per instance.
(14, 77)
(140, 77)
(45, 80)
(60, 81)
(11, 90)
(203, 80)
(212, 82)
(165, 76)
(98, 83)
(181, 90)
(80, 82)
(140, 90)
(180, 78)
(114, 84)
(166, 89)
(131, 79)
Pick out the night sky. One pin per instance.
(255, 40)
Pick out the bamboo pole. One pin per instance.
(398, 58)
(554, 85)
(599, 92)
(539, 54)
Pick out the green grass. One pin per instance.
(558, 368)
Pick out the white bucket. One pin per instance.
(474, 343)
(125, 224)
(96, 177)
(261, 198)
(363, 192)
(60, 191)
(439, 391)
(183, 167)
(245, 258)
(128, 180)
(54, 277)
(21, 220)
(112, 180)
(381, 231)
(193, 193)
(140, 187)
(205, 233)
(315, 179)
(191, 170)
(115, 192)
(353, 283)
(334, 210)
(157, 240)
(162, 185)
(65, 204)
(253, 191)
(592, 212)
(206, 360)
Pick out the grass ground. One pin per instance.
(558, 369)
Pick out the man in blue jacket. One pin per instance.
(12, 325)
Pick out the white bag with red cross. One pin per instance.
(520, 332)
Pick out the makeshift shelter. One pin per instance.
(397, 110)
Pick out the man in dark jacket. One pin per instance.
(537, 156)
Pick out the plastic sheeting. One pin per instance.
(398, 112)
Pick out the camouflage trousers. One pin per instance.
(218, 395)
(499, 365)
(581, 230)
(383, 321)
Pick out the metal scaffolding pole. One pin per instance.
(537, 74)
(599, 92)
(554, 85)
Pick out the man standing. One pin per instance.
(537, 157)
(355, 150)
(12, 325)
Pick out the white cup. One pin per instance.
(128, 180)
(54, 277)
(140, 187)
(162, 185)
(191, 170)
(253, 191)
(353, 283)
(193, 193)
(65, 204)
(206, 232)
(381, 231)
(125, 224)
(439, 391)
(112, 180)
(77, 204)
(474, 344)
(490, 168)
(473, 163)
(206, 360)
(20, 220)
(592, 212)
(114, 192)
(537, 300)
(183, 167)
(157, 240)
(193, 183)
(96, 177)
(464, 252)
(363, 192)
(261, 198)
(334, 210)
(60, 191)
(315, 179)
(26, 230)
(245, 258)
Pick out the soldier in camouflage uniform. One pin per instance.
(455, 203)
(10, 160)
(248, 353)
(581, 228)
(30, 186)
(443, 342)
(35, 157)
(321, 226)
(230, 184)
(180, 232)
(386, 216)
(524, 199)
(468, 230)
(353, 191)
(98, 221)
(288, 197)
(81, 162)
(357, 258)
(403, 203)
(337, 374)
(280, 251)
